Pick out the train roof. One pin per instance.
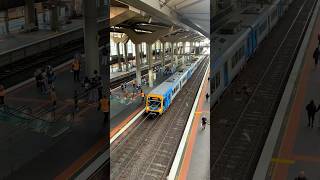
(224, 42)
(171, 81)
(253, 15)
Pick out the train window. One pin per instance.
(217, 79)
(236, 58)
(175, 89)
(213, 84)
(241, 52)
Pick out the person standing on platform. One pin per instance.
(2, 95)
(43, 82)
(37, 77)
(142, 96)
(301, 176)
(207, 96)
(311, 110)
(104, 107)
(76, 69)
(53, 97)
(51, 78)
(203, 122)
(316, 56)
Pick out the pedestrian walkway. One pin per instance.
(196, 159)
(298, 147)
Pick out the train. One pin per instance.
(159, 99)
(235, 42)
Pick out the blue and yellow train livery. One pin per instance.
(160, 98)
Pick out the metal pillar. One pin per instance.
(163, 63)
(119, 58)
(150, 62)
(29, 14)
(138, 63)
(172, 53)
(6, 22)
(176, 57)
(126, 56)
(102, 8)
(54, 18)
(183, 52)
(91, 38)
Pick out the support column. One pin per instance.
(126, 56)
(73, 8)
(29, 15)
(138, 63)
(183, 52)
(102, 8)
(163, 63)
(172, 53)
(91, 38)
(54, 18)
(176, 57)
(6, 21)
(150, 62)
(119, 58)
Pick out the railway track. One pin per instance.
(148, 150)
(241, 122)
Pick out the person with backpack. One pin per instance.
(104, 107)
(203, 122)
(75, 67)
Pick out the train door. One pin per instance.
(254, 39)
(269, 23)
(249, 46)
(226, 74)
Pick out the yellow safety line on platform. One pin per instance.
(282, 161)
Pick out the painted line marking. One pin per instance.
(282, 161)
(126, 126)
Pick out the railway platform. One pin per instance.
(20, 39)
(292, 146)
(19, 45)
(196, 159)
(298, 148)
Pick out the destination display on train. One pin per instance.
(154, 99)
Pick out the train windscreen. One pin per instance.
(154, 103)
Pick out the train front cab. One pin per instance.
(157, 104)
(154, 104)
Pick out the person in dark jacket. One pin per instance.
(316, 56)
(301, 176)
(311, 110)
